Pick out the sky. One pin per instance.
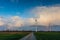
(17, 13)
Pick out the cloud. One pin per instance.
(44, 15)
(15, 21)
(1, 21)
(14, 1)
(29, 21)
(1, 7)
(47, 15)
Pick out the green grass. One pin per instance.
(12, 35)
(47, 35)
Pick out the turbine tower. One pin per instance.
(50, 27)
(36, 21)
(36, 24)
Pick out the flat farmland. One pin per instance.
(38, 35)
(47, 35)
(12, 35)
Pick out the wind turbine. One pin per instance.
(50, 27)
(36, 21)
(36, 25)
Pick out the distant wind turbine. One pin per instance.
(36, 21)
(36, 24)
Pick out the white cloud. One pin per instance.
(1, 7)
(15, 21)
(46, 15)
(29, 21)
(14, 1)
(2, 21)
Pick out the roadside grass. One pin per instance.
(47, 35)
(12, 35)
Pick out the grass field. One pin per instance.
(12, 35)
(38, 35)
(47, 35)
